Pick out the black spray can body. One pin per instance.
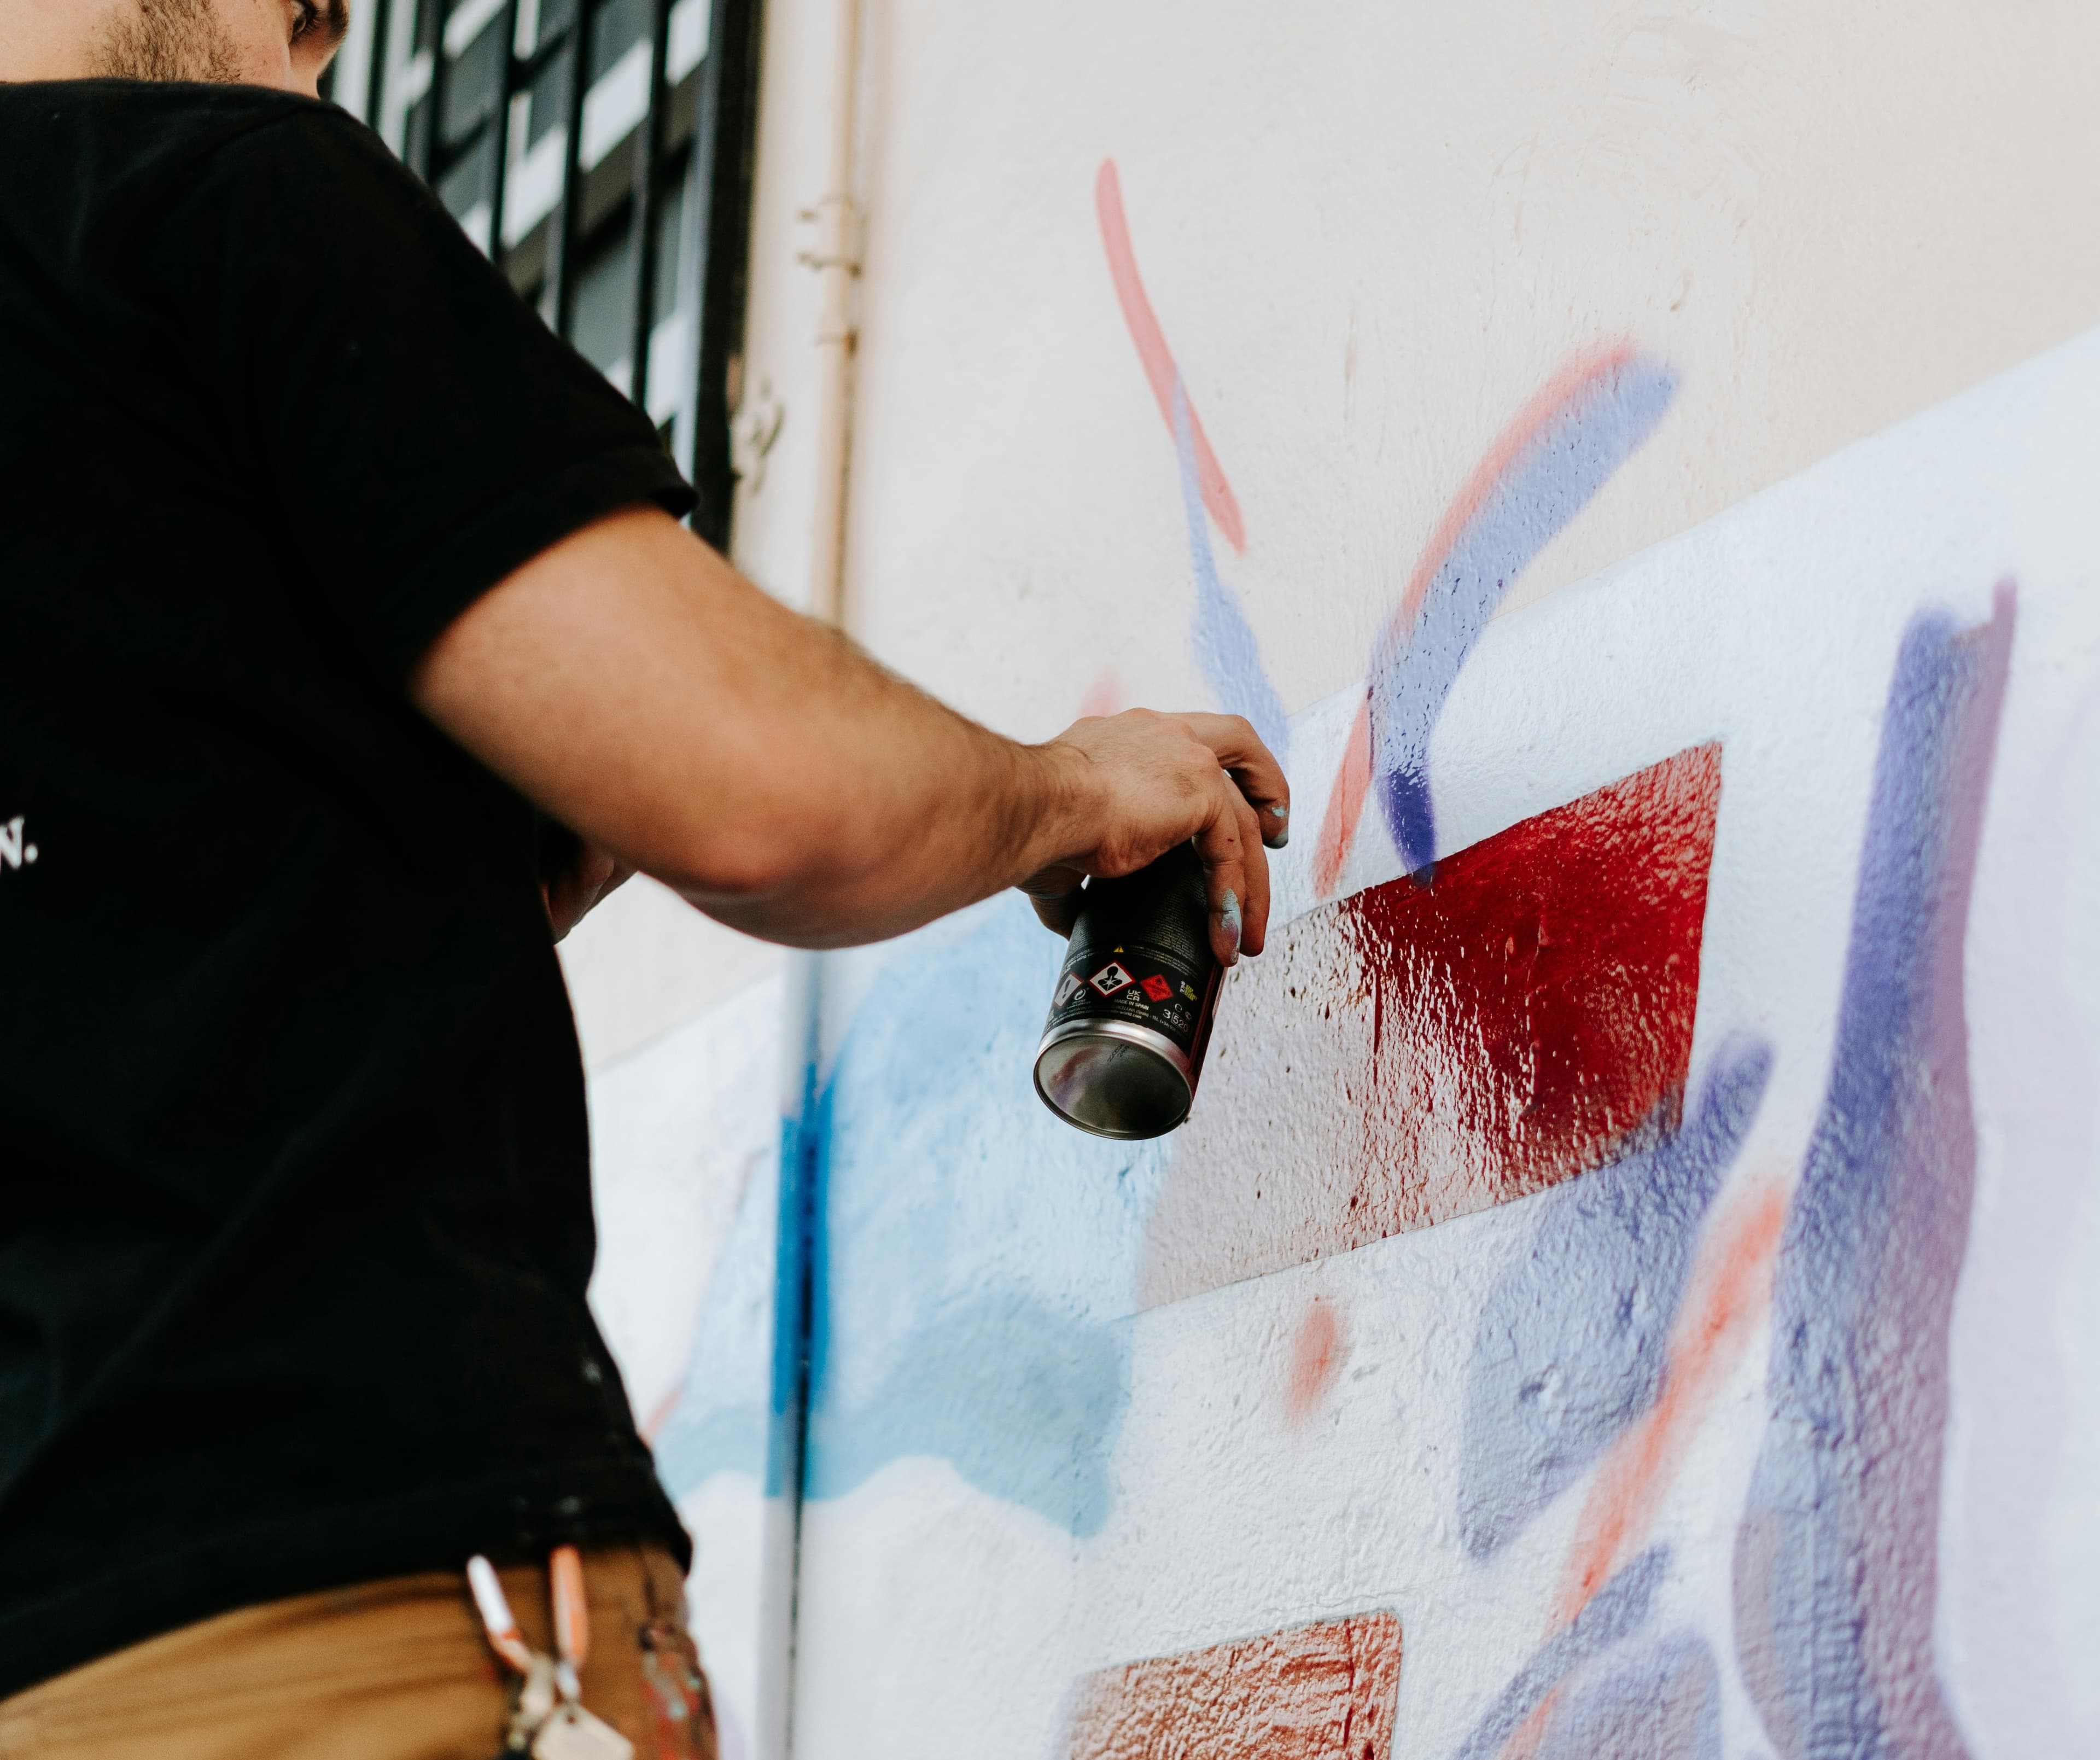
(1123, 1048)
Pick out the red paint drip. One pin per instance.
(1152, 352)
(1313, 1692)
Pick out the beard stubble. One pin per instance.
(167, 40)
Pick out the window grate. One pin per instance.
(600, 151)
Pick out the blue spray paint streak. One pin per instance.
(1836, 1558)
(1571, 1342)
(1573, 455)
(1658, 1700)
(741, 1408)
(974, 1256)
(1615, 1610)
(730, 1416)
(968, 1259)
(1225, 646)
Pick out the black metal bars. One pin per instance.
(568, 136)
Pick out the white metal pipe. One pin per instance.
(834, 256)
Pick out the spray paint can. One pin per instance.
(1131, 1020)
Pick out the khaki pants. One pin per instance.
(392, 1670)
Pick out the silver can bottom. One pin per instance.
(1113, 1079)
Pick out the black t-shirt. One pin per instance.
(295, 1219)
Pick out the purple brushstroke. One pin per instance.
(1654, 1700)
(1225, 646)
(1572, 455)
(1619, 1608)
(1571, 1342)
(1836, 1558)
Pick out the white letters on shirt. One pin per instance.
(14, 852)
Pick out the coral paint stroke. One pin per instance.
(1313, 1692)
(1160, 371)
(1836, 1559)
(1560, 450)
(1731, 1289)
(1224, 641)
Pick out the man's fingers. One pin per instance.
(1226, 852)
(1055, 895)
(1253, 766)
(1059, 914)
(1254, 863)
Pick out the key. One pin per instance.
(572, 1733)
(535, 1704)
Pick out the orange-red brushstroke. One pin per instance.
(1345, 805)
(1730, 1292)
(1316, 1359)
(1152, 350)
(1312, 1692)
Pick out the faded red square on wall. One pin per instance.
(1415, 1053)
(1312, 1692)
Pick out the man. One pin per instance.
(325, 573)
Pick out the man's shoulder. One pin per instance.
(85, 134)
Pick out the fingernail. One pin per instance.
(1281, 835)
(1228, 914)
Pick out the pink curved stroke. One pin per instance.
(1159, 360)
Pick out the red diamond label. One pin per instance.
(1157, 988)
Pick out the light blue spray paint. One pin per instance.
(1224, 641)
(973, 1260)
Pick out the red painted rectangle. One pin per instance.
(1312, 1692)
(1414, 1052)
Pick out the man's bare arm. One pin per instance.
(633, 686)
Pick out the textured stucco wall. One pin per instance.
(1631, 1293)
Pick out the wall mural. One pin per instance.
(1505, 1036)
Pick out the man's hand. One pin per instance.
(1158, 780)
(632, 685)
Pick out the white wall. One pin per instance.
(1625, 333)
